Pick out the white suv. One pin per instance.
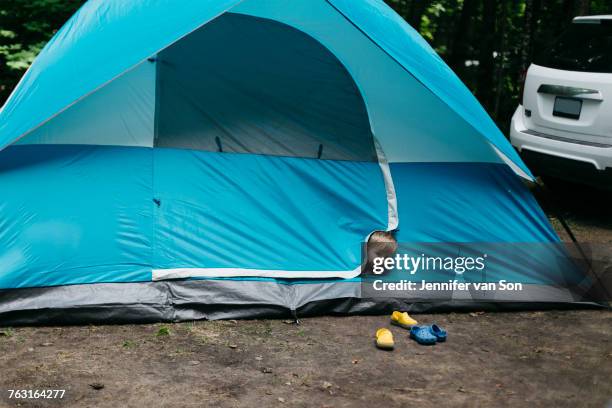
(563, 128)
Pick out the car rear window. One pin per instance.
(585, 46)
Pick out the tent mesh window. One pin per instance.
(243, 84)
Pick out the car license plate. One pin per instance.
(567, 107)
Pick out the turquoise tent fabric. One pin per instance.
(100, 42)
(106, 38)
(408, 48)
(215, 153)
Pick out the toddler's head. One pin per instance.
(382, 244)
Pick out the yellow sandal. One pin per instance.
(384, 339)
(402, 320)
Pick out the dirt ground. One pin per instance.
(553, 358)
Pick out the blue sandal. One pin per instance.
(438, 332)
(422, 335)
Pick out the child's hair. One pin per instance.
(381, 244)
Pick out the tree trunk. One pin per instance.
(527, 36)
(406, 6)
(569, 11)
(487, 47)
(458, 47)
(501, 59)
(417, 10)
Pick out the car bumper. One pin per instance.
(597, 155)
(562, 158)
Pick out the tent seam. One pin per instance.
(414, 76)
(128, 69)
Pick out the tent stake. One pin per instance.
(295, 317)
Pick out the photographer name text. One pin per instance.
(407, 285)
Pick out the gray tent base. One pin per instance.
(173, 301)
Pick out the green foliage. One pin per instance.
(25, 27)
(488, 43)
(130, 343)
(8, 332)
(163, 331)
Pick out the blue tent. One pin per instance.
(178, 160)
